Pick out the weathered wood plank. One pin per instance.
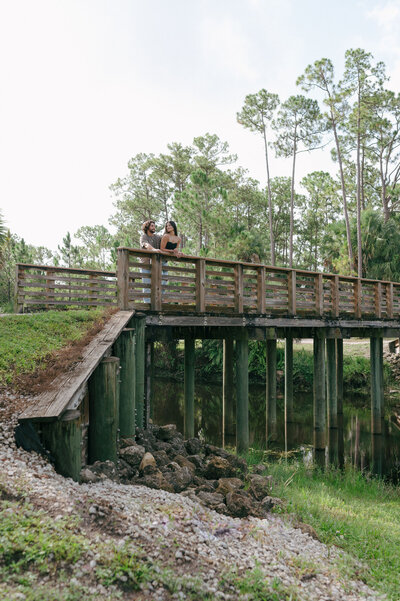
(52, 403)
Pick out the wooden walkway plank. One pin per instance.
(51, 404)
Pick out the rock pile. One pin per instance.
(160, 458)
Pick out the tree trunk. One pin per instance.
(271, 232)
(344, 195)
(292, 205)
(359, 246)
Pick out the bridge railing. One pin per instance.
(161, 282)
(45, 287)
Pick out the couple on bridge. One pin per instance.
(169, 242)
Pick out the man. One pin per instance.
(150, 241)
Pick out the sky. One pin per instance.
(87, 84)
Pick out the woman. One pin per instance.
(170, 241)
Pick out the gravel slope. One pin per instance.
(196, 543)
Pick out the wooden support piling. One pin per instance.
(124, 348)
(64, 440)
(104, 411)
(288, 378)
(376, 353)
(148, 380)
(242, 395)
(339, 375)
(140, 326)
(271, 426)
(331, 381)
(189, 388)
(227, 389)
(319, 396)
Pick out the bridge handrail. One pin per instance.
(159, 281)
(274, 290)
(47, 286)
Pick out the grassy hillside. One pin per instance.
(28, 342)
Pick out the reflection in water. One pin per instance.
(351, 441)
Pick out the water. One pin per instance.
(351, 443)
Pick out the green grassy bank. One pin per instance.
(351, 510)
(27, 341)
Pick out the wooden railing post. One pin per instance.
(357, 298)
(200, 285)
(378, 299)
(123, 279)
(238, 270)
(292, 292)
(261, 300)
(156, 292)
(92, 295)
(19, 276)
(335, 296)
(389, 300)
(319, 294)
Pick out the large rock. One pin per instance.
(193, 446)
(184, 462)
(227, 485)
(126, 442)
(156, 480)
(126, 471)
(168, 433)
(239, 504)
(133, 454)
(269, 503)
(147, 465)
(212, 500)
(218, 467)
(179, 477)
(161, 458)
(197, 460)
(147, 439)
(210, 449)
(260, 486)
(100, 470)
(238, 464)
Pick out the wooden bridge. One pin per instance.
(193, 298)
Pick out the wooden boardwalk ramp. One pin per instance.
(66, 393)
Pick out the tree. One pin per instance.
(96, 251)
(319, 209)
(320, 76)
(384, 147)
(257, 112)
(197, 205)
(137, 199)
(70, 254)
(299, 127)
(360, 80)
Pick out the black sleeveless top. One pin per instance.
(171, 245)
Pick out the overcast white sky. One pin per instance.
(87, 84)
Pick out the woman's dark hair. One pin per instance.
(173, 225)
(146, 225)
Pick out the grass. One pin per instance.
(353, 511)
(255, 587)
(26, 341)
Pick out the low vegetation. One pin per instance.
(348, 509)
(28, 342)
